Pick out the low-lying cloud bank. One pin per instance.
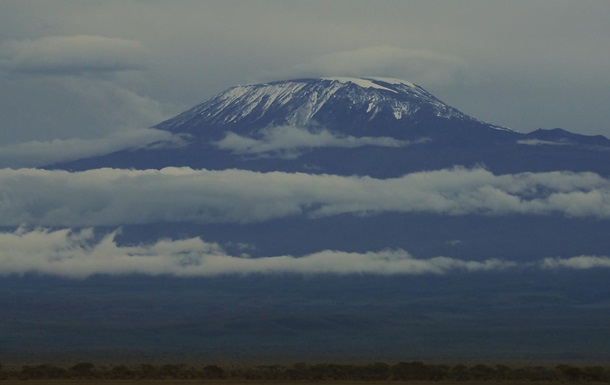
(116, 197)
(582, 262)
(290, 142)
(76, 254)
(79, 254)
(539, 142)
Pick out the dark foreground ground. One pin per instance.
(191, 382)
(521, 316)
(415, 372)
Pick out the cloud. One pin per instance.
(538, 142)
(83, 253)
(79, 254)
(583, 262)
(290, 142)
(419, 66)
(40, 153)
(48, 108)
(115, 197)
(72, 55)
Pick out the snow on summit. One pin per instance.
(362, 82)
(371, 82)
(316, 102)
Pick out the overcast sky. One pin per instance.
(84, 72)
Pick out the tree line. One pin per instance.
(402, 371)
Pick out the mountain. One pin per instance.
(348, 105)
(386, 129)
(379, 127)
(363, 239)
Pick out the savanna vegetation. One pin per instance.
(402, 371)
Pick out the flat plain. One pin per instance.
(250, 382)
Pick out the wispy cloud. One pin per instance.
(538, 142)
(70, 55)
(77, 254)
(582, 262)
(73, 90)
(424, 66)
(116, 197)
(290, 142)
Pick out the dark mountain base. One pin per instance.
(470, 237)
(498, 156)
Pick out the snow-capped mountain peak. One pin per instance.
(372, 126)
(351, 103)
(366, 82)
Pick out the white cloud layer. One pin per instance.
(77, 254)
(290, 142)
(582, 262)
(72, 55)
(115, 197)
(80, 254)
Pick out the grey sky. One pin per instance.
(92, 70)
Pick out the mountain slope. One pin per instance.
(346, 104)
(375, 126)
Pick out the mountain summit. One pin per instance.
(380, 127)
(349, 105)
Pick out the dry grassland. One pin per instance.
(228, 382)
